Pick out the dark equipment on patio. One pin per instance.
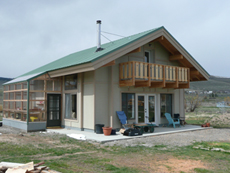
(132, 132)
(128, 131)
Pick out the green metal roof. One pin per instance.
(90, 55)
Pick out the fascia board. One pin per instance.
(72, 70)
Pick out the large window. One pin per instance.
(71, 82)
(71, 106)
(166, 104)
(128, 105)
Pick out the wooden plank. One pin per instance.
(170, 73)
(145, 66)
(161, 73)
(157, 85)
(164, 76)
(174, 73)
(166, 46)
(141, 70)
(109, 64)
(125, 76)
(166, 68)
(133, 73)
(179, 76)
(175, 57)
(182, 75)
(186, 75)
(126, 83)
(156, 72)
(14, 90)
(137, 70)
(130, 69)
(194, 72)
(152, 71)
(121, 71)
(149, 75)
(171, 85)
(142, 84)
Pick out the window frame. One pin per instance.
(75, 77)
(127, 104)
(70, 107)
(162, 113)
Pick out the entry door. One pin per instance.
(53, 110)
(145, 108)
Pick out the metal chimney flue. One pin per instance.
(99, 36)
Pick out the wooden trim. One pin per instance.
(14, 90)
(175, 57)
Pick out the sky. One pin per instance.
(36, 32)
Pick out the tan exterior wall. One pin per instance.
(102, 97)
(101, 94)
(89, 100)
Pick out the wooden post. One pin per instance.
(28, 102)
(156, 72)
(133, 74)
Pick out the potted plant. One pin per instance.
(107, 130)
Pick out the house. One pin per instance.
(143, 74)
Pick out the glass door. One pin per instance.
(151, 109)
(145, 108)
(54, 110)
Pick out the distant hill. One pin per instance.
(4, 80)
(213, 84)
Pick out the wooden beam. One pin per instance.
(125, 83)
(175, 57)
(184, 85)
(171, 85)
(157, 85)
(195, 72)
(109, 64)
(135, 50)
(166, 47)
(142, 84)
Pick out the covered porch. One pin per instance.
(101, 138)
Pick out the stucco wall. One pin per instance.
(88, 100)
(102, 95)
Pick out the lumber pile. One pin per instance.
(8, 167)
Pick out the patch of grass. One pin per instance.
(201, 170)
(223, 145)
(198, 122)
(109, 167)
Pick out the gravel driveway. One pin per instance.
(177, 139)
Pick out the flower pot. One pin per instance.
(207, 124)
(107, 130)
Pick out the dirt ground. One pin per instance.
(163, 163)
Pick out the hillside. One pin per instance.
(213, 84)
(4, 80)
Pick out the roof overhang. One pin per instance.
(162, 36)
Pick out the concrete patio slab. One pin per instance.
(102, 138)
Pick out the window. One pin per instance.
(128, 105)
(71, 82)
(71, 106)
(147, 56)
(166, 104)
